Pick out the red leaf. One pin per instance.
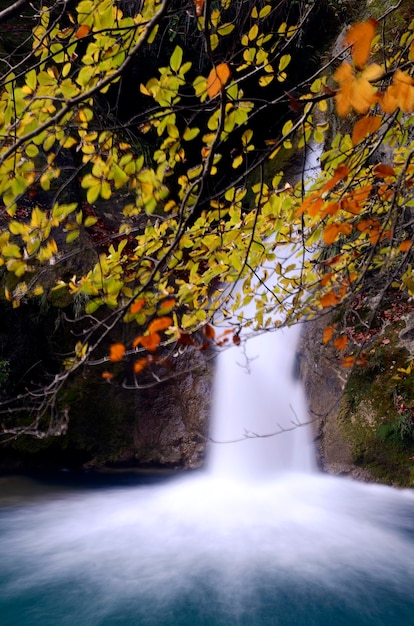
(185, 339)
(236, 339)
(209, 331)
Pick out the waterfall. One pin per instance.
(258, 539)
(258, 393)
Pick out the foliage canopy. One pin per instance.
(191, 178)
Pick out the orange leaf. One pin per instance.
(325, 280)
(340, 173)
(140, 365)
(218, 79)
(332, 231)
(381, 170)
(329, 299)
(368, 225)
(348, 361)
(137, 306)
(343, 97)
(328, 334)
(399, 94)
(315, 206)
(360, 37)
(116, 352)
(354, 202)
(82, 31)
(107, 375)
(341, 342)
(330, 234)
(405, 245)
(150, 342)
(160, 324)
(345, 229)
(365, 127)
(209, 331)
(363, 96)
(330, 209)
(167, 305)
(199, 6)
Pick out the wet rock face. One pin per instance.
(162, 426)
(171, 421)
(324, 382)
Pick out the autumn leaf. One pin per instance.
(137, 306)
(236, 339)
(185, 339)
(116, 352)
(348, 361)
(365, 127)
(405, 245)
(199, 6)
(218, 79)
(107, 375)
(160, 324)
(359, 36)
(382, 170)
(82, 31)
(167, 305)
(340, 173)
(149, 342)
(355, 90)
(354, 202)
(328, 334)
(139, 365)
(209, 331)
(400, 94)
(340, 342)
(329, 299)
(332, 231)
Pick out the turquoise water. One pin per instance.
(303, 549)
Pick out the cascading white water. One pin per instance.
(257, 393)
(260, 538)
